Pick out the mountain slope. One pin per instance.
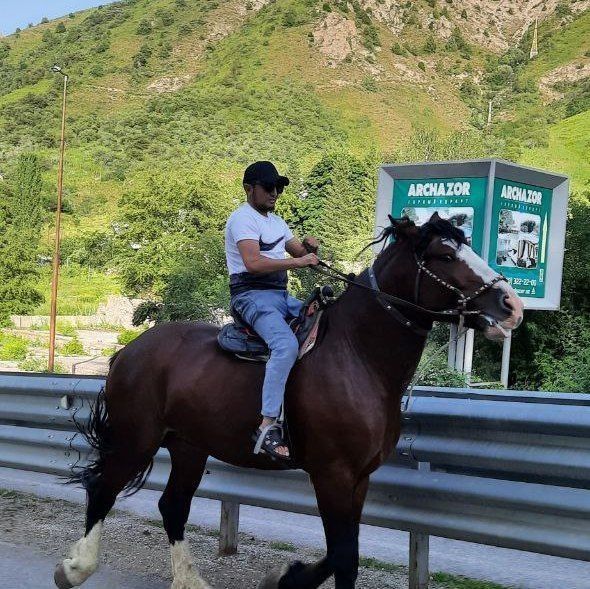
(173, 84)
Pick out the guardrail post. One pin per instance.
(419, 547)
(419, 544)
(228, 529)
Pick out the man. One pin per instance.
(255, 243)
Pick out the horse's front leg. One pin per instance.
(340, 500)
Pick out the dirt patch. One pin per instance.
(132, 544)
(337, 38)
(572, 72)
(494, 25)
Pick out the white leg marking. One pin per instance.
(185, 576)
(83, 559)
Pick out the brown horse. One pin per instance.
(173, 387)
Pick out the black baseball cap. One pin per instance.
(265, 173)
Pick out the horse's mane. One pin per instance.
(442, 228)
(439, 227)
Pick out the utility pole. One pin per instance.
(55, 275)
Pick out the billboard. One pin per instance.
(513, 216)
(460, 200)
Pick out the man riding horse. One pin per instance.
(255, 243)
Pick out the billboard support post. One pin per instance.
(506, 360)
(460, 355)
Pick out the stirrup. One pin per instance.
(269, 438)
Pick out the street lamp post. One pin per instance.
(55, 275)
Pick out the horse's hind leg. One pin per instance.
(125, 454)
(188, 465)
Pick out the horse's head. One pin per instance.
(448, 275)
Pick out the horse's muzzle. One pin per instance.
(501, 312)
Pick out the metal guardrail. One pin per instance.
(503, 468)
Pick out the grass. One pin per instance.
(568, 150)
(39, 365)
(569, 43)
(447, 581)
(40, 87)
(380, 565)
(80, 290)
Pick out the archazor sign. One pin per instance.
(513, 216)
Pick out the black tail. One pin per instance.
(97, 432)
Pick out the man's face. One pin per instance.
(262, 198)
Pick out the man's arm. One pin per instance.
(258, 264)
(297, 249)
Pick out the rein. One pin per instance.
(391, 302)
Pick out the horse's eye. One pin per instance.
(448, 258)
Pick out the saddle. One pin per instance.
(241, 340)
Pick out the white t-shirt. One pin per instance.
(271, 232)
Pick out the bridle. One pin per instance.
(391, 303)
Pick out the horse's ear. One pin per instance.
(435, 217)
(404, 227)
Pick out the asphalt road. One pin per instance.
(508, 567)
(24, 568)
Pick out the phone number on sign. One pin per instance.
(522, 281)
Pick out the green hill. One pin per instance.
(170, 88)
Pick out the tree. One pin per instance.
(338, 204)
(163, 217)
(22, 220)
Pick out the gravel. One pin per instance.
(139, 546)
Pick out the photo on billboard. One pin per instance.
(518, 239)
(461, 217)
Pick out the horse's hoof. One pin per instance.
(271, 581)
(60, 577)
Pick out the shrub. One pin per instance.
(290, 18)
(398, 49)
(65, 328)
(109, 351)
(369, 84)
(140, 60)
(563, 9)
(422, 66)
(39, 365)
(144, 27)
(430, 45)
(72, 348)
(60, 28)
(128, 335)
(165, 17)
(13, 347)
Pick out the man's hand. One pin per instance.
(307, 260)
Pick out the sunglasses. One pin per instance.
(269, 186)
